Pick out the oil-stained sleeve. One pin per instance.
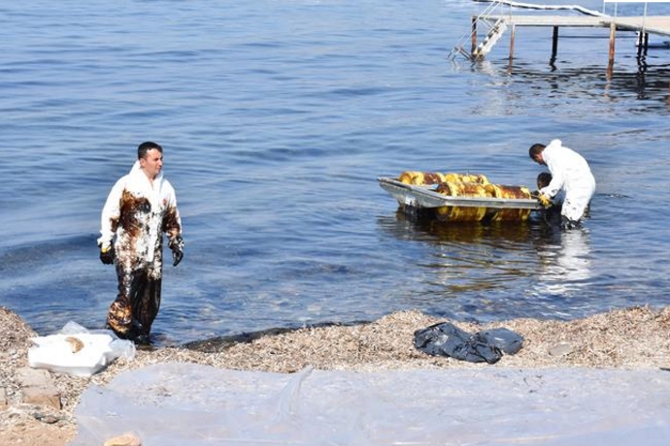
(110, 214)
(172, 219)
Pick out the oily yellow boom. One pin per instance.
(460, 196)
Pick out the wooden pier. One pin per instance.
(652, 24)
(659, 25)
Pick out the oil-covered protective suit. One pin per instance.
(571, 173)
(134, 219)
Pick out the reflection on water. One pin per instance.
(473, 270)
(565, 267)
(469, 258)
(593, 81)
(459, 232)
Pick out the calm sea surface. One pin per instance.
(277, 117)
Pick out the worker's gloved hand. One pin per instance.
(107, 254)
(177, 247)
(544, 200)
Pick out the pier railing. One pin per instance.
(495, 23)
(494, 30)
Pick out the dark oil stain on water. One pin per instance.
(278, 117)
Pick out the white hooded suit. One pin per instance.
(571, 173)
(134, 219)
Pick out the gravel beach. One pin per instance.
(633, 339)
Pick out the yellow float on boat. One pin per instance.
(460, 196)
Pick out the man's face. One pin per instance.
(539, 159)
(152, 163)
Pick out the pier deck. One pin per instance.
(497, 24)
(652, 24)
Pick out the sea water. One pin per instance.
(278, 116)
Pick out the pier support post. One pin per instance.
(646, 42)
(554, 48)
(610, 64)
(554, 43)
(642, 42)
(511, 44)
(474, 36)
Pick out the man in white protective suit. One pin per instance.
(571, 174)
(141, 207)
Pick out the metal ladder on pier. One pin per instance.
(495, 30)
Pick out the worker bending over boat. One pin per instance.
(571, 174)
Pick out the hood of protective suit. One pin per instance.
(136, 214)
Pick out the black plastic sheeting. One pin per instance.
(446, 339)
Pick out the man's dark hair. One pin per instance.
(543, 180)
(535, 150)
(143, 148)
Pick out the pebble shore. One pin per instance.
(37, 404)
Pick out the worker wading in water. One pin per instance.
(571, 174)
(141, 207)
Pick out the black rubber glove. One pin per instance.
(177, 247)
(107, 255)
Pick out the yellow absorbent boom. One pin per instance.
(470, 185)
